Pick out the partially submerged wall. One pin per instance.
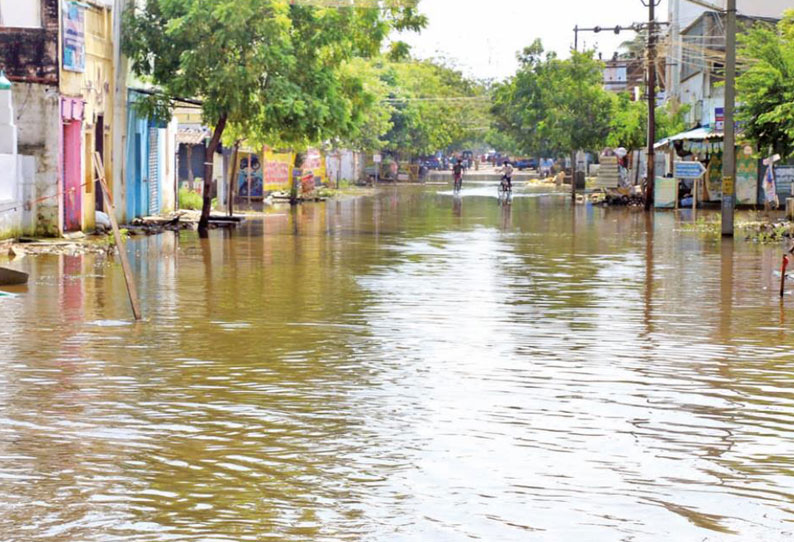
(38, 124)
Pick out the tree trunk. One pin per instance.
(190, 165)
(294, 192)
(209, 155)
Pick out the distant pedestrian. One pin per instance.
(507, 174)
(457, 174)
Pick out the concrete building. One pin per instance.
(625, 73)
(16, 171)
(29, 33)
(695, 44)
(73, 93)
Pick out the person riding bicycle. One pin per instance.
(507, 175)
(457, 173)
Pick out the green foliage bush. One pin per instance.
(189, 200)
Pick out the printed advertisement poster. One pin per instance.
(278, 170)
(746, 179)
(249, 178)
(73, 37)
(315, 163)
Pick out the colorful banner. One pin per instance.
(315, 163)
(278, 170)
(73, 37)
(249, 176)
(746, 178)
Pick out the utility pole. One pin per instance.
(651, 174)
(729, 161)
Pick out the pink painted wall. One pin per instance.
(73, 191)
(72, 115)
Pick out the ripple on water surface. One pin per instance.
(409, 366)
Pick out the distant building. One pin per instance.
(696, 49)
(625, 74)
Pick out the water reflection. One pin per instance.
(385, 369)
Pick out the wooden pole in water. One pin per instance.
(783, 277)
(125, 264)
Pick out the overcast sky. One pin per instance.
(483, 36)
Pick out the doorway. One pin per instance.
(99, 146)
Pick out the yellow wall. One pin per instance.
(97, 91)
(95, 87)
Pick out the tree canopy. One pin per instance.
(272, 69)
(553, 106)
(628, 126)
(766, 86)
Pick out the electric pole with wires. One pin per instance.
(651, 172)
(729, 162)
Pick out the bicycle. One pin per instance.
(505, 190)
(457, 185)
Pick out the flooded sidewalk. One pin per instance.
(406, 366)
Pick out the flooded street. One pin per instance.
(404, 367)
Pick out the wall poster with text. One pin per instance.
(73, 37)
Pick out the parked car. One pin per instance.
(526, 163)
(431, 162)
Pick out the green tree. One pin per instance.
(628, 126)
(432, 106)
(269, 68)
(766, 86)
(554, 106)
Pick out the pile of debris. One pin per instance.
(72, 245)
(768, 232)
(178, 221)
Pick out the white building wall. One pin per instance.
(39, 129)
(351, 166)
(697, 90)
(20, 13)
(755, 8)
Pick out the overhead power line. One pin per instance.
(366, 4)
(439, 99)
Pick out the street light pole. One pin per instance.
(651, 173)
(729, 161)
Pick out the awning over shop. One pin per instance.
(191, 136)
(698, 134)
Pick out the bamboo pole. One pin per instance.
(125, 264)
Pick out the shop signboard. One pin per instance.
(689, 170)
(719, 119)
(73, 37)
(784, 177)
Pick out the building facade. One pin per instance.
(29, 54)
(71, 92)
(696, 50)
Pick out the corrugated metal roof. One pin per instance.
(191, 136)
(698, 134)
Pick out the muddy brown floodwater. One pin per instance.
(404, 367)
